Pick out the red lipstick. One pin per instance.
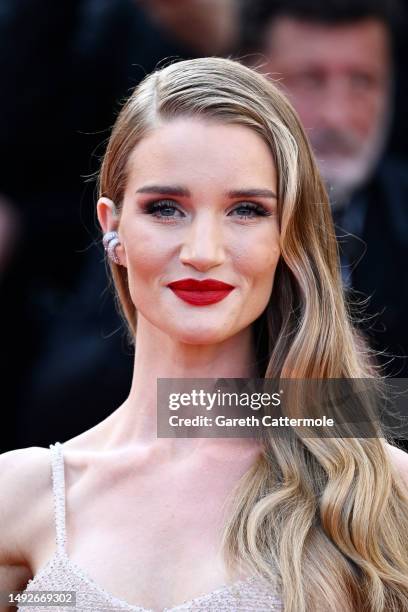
(200, 293)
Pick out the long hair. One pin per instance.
(326, 519)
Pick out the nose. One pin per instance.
(202, 245)
(337, 105)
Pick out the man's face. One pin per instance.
(338, 78)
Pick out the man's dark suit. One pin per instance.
(378, 254)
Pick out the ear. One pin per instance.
(108, 218)
(107, 215)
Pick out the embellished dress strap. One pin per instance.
(58, 489)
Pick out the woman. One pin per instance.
(208, 175)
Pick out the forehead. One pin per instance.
(187, 150)
(362, 43)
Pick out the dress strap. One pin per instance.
(58, 489)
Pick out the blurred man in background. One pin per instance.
(335, 61)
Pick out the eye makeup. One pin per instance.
(161, 208)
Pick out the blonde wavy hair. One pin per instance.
(325, 519)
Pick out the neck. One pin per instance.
(159, 356)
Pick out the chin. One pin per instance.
(204, 335)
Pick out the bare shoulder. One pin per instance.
(24, 490)
(399, 459)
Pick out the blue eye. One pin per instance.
(164, 207)
(259, 211)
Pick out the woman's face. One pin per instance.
(200, 204)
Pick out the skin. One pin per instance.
(339, 80)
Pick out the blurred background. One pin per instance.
(65, 69)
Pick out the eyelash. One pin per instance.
(158, 205)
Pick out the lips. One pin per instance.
(200, 293)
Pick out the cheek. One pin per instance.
(146, 251)
(367, 111)
(257, 259)
(307, 109)
(256, 266)
(374, 111)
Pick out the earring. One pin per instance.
(110, 241)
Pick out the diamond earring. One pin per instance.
(110, 241)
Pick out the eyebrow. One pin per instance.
(177, 190)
